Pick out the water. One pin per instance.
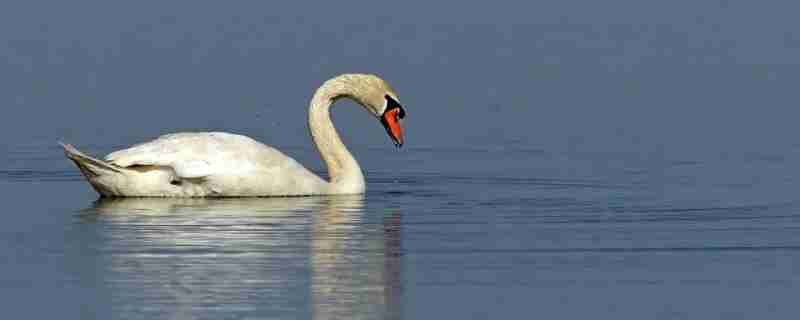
(666, 239)
(563, 160)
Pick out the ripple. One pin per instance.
(430, 178)
(480, 251)
(39, 175)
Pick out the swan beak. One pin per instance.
(391, 122)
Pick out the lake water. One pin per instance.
(563, 160)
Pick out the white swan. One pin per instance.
(217, 164)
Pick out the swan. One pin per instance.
(219, 164)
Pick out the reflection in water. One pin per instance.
(351, 276)
(253, 257)
(392, 280)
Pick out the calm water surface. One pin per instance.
(564, 160)
(664, 239)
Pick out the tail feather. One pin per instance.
(87, 164)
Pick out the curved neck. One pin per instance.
(344, 172)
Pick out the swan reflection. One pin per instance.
(352, 272)
(250, 256)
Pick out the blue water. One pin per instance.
(663, 239)
(623, 160)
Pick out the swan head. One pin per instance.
(377, 97)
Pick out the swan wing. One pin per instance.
(201, 154)
(213, 164)
(193, 169)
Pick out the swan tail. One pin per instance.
(90, 167)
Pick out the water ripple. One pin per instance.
(39, 175)
(479, 251)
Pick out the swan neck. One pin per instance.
(343, 170)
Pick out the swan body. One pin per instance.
(218, 164)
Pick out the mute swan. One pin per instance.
(218, 164)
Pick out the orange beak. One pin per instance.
(391, 121)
